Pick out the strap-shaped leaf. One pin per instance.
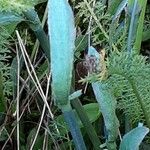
(107, 106)
(62, 37)
(2, 100)
(7, 18)
(120, 8)
(133, 139)
(113, 5)
(92, 111)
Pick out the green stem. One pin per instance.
(87, 124)
(35, 25)
(74, 129)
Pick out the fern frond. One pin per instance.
(129, 81)
(101, 14)
(17, 5)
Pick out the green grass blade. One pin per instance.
(133, 25)
(113, 5)
(13, 72)
(2, 100)
(139, 34)
(86, 123)
(138, 19)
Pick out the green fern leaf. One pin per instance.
(18, 5)
(129, 80)
(4, 62)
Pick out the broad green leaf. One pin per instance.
(92, 111)
(62, 38)
(133, 139)
(107, 104)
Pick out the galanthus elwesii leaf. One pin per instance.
(92, 111)
(107, 105)
(76, 94)
(62, 38)
(8, 18)
(133, 139)
(120, 8)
